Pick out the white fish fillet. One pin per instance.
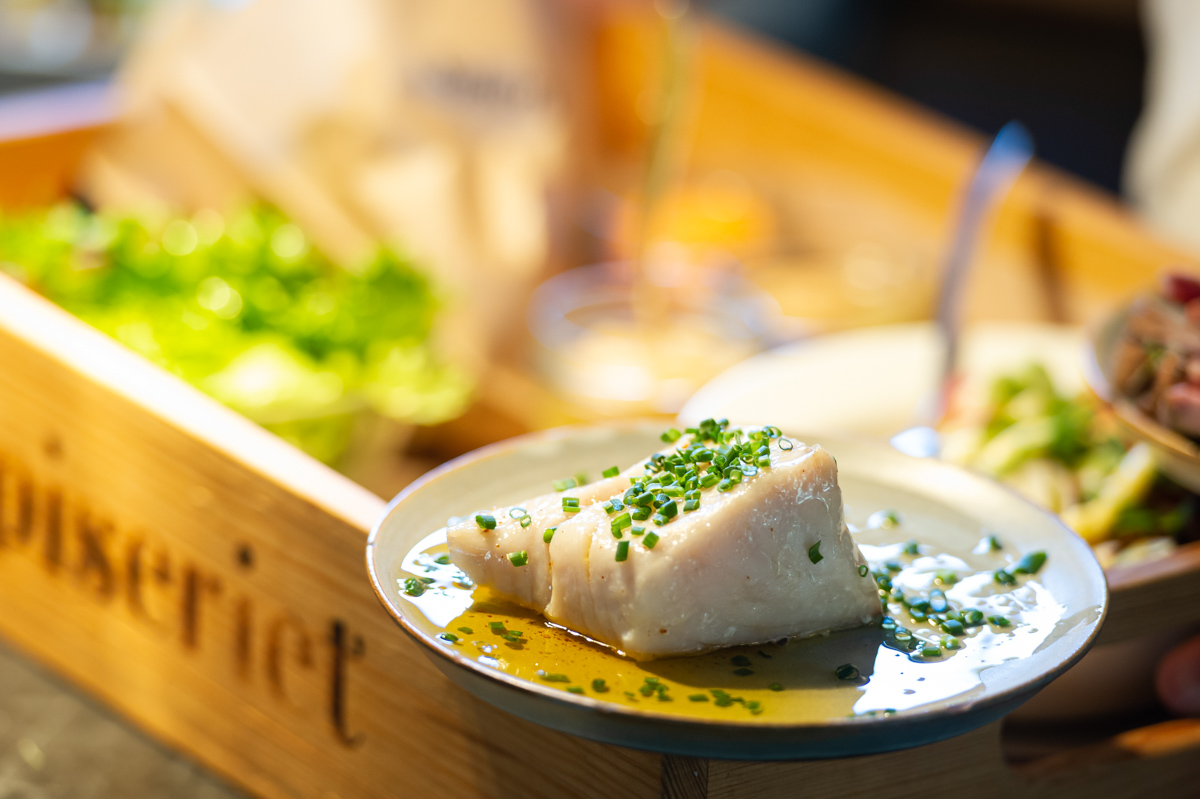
(735, 571)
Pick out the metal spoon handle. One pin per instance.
(1003, 162)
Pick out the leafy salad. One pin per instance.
(1065, 454)
(248, 311)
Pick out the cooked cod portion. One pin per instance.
(732, 538)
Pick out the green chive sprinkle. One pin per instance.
(911, 548)
(570, 505)
(575, 689)
(485, 521)
(612, 471)
(775, 686)
(847, 671)
(414, 587)
(650, 540)
(698, 698)
(891, 518)
(1003, 577)
(743, 672)
(466, 630)
(671, 435)
(754, 707)
(443, 560)
(952, 627)
(950, 642)
(552, 677)
(740, 660)
(518, 558)
(990, 544)
(563, 485)
(929, 651)
(496, 626)
(622, 551)
(863, 571)
(641, 514)
(1030, 564)
(999, 621)
(451, 637)
(599, 686)
(938, 602)
(814, 553)
(620, 523)
(972, 618)
(636, 530)
(670, 510)
(659, 519)
(946, 577)
(549, 534)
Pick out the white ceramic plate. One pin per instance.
(934, 495)
(871, 381)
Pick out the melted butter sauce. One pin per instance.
(783, 682)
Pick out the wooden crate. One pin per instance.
(206, 580)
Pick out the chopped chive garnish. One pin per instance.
(485, 521)
(451, 637)
(414, 587)
(999, 621)
(466, 630)
(669, 509)
(863, 571)
(599, 686)
(937, 602)
(549, 534)
(641, 514)
(952, 627)
(814, 553)
(929, 651)
(518, 558)
(911, 548)
(1030, 564)
(553, 677)
(570, 505)
(789, 444)
(636, 530)
(671, 435)
(743, 672)
(1003, 577)
(972, 618)
(620, 523)
(443, 560)
(740, 660)
(946, 577)
(893, 565)
(575, 689)
(775, 686)
(611, 471)
(754, 706)
(950, 642)
(659, 519)
(990, 543)
(698, 698)
(563, 485)
(496, 626)
(650, 540)
(891, 518)
(847, 671)
(517, 513)
(622, 551)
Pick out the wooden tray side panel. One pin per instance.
(222, 607)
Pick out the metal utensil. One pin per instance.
(1003, 162)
